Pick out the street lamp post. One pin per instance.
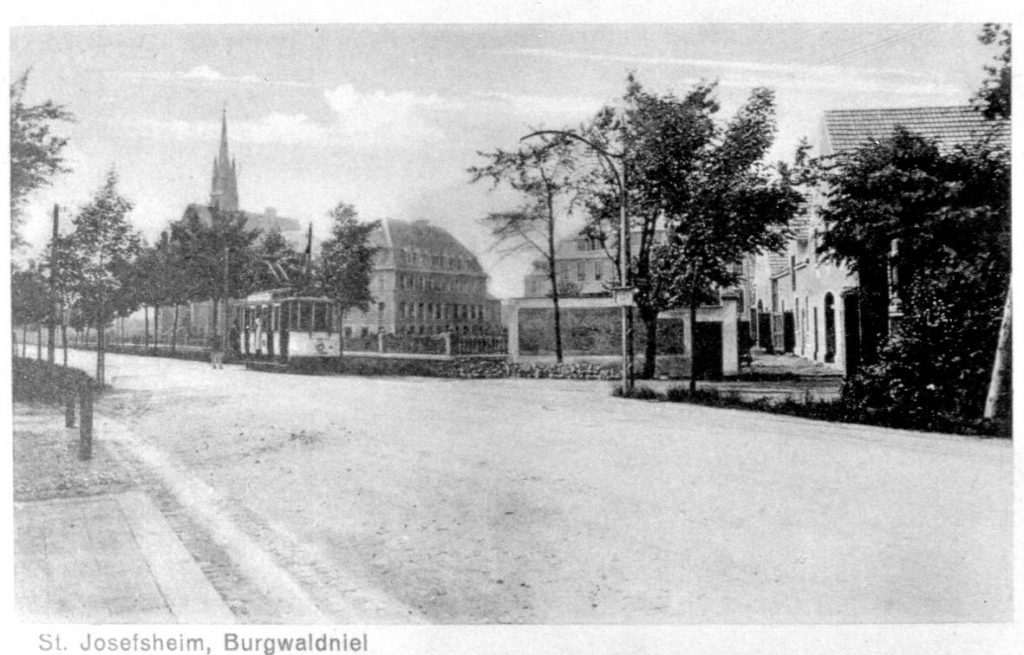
(624, 293)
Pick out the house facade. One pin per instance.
(583, 268)
(424, 282)
(805, 304)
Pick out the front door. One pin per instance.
(707, 351)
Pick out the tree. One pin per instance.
(216, 251)
(104, 246)
(994, 97)
(277, 263)
(175, 286)
(35, 150)
(544, 174)
(148, 284)
(31, 302)
(699, 196)
(65, 284)
(346, 260)
(904, 190)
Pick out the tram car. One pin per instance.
(281, 327)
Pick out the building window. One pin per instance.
(597, 270)
(792, 271)
(581, 270)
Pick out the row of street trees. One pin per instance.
(102, 268)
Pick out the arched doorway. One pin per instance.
(830, 328)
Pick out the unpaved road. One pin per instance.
(543, 501)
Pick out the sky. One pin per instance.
(388, 117)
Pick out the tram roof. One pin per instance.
(281, 295)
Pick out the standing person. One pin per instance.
(216, 347)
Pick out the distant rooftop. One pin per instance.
(847, 129)
(421, 246)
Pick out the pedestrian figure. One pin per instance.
(216, 352)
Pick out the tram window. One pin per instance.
(319, 317)
(275, 318)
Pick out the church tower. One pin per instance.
(224, 186)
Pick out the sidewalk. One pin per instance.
(774, 377)
(88, 546)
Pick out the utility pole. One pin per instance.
(51, 338)
(1000, 367)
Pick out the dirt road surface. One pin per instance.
(397, 500)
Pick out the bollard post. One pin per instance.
(69, 409)
(85, 429)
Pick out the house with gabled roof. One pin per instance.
(805, 304)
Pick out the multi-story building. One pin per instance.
(803, 302)
(424, 282)
(583, 268)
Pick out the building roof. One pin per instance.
(254, 221)
(421, 246)
(847, 129)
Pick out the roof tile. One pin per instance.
(847, 129)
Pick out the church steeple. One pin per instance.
(224, 186)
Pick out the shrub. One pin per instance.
(35, 381)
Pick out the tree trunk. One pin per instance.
(24, 339)
(213, 316)
(39, 342)
(558, 313)
(145, 330)
(101, 344)
(651, 347)
(64, 338)
(693, 346)
(156, 327)
(174, 330)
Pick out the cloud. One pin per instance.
(203, 73)
(552, 107)
(376, 120)
(390, 116)
(750, 66)
(750, 74)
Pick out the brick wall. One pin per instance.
(591, 331)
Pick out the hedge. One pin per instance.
(36, 381)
